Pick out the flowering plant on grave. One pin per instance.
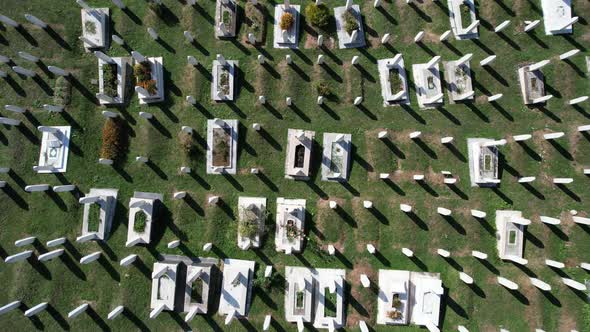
(286, 21)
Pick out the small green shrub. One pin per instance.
(140, 222)
(62, 95)
(286, 21)
(350, 23)
(226, 18)
(323, 89)
(318, 16)
(90, 27)
(109, 79)
(93, 217)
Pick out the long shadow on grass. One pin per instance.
(568, 192)
(457, 226)
(39, 267)
(394, 186)
(33, 319)
(10, 192)
(72, 265)
(135, 320)
(458, 191)
(58, 317)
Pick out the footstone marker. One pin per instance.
(128, 260)
(25, 241)
(9, 307)
(18, 257)
(50, 255)
(79, 310)
(90, 258)
(115, 312)
(36, 309)
(35, 21)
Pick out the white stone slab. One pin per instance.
(556, 15)
(292, 35)
(230, 130)
(336, 157)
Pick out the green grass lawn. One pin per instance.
(65, 284)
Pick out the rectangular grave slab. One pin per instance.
(299, 149)
(251, 213)
(290, 225)
(483, 162)
(108, 204)
(330, 284)
(291, 38)
(224, 77)
(123, 65)
(196, 295)
(344, 38)
(54, 151)
(299, 292)
(336, 157)
(556, 14)
(157, 72)
(428, 85)
(95, 28)
(145, 203)
(394, 296)
(510, 235)
(394, 82)
(462, 14)
(532, 84)
(426, 292)
(228, 14)
(222, 146)
(236, 291)
(164, 286)
(415, 296)
(458, 79)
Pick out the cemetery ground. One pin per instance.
(484, 307)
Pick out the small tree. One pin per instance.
(318, 16)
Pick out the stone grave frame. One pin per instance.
(344, 38)
(222, 7)
(164, 286)
(291, 37)
(459, 23)
(248, 207)
(229, 69)
(95, 28)
(236, 289)
(299, 150)
(54, 150)
(123, 65)
(556, 14)
(326, 279)
(108, 205)
(532, 84)
(336, 157)
(483, 162)
(157, 73)
(290, 225)
(386, 67)
(205, 281)
(428, 85)
(510, 235)
(299, 294)
(394, 295)
(459, 81)
(229, 131)
(145, 203)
